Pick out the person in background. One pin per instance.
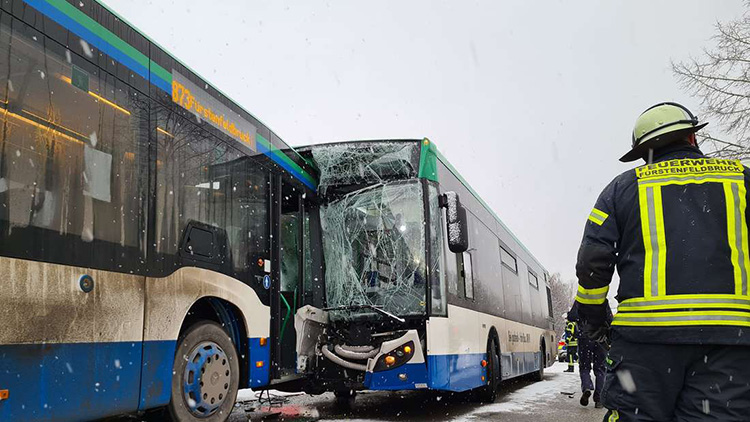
(571, 343)
(591, 356)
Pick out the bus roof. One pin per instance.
(429, 151)
(429, 147)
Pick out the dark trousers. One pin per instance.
(591, 355)
(673, 382)
(572, 355)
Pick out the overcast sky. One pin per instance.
(532, 101)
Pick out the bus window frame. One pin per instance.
(468, 276)
(437, 226)
(536, 278)
(505, 249)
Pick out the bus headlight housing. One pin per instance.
(395, 357)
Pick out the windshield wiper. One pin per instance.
(378, 309)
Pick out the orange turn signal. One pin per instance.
(390, 360)
(4, 394)
(484, 363)
(259, 364)
(263, 341)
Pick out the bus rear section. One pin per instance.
(416, 295)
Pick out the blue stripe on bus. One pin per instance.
(262, 149)
(456, 372)
(156, 385)
(259, 376)
(160, 83)
(416, 373)
(74, 381)
(90, 37)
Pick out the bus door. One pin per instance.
(288, 291)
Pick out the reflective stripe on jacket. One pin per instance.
(677, 232)
(571, 331)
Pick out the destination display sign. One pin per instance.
(207, 108)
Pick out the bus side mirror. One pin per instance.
(458, 236)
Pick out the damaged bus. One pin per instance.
(143, 215)
(424, 287)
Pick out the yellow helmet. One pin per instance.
(659, 125)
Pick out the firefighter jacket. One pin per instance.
(676, 230)
(571, 334)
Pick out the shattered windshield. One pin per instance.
(365, 163)
(375, 249)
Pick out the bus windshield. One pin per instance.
(375, 250)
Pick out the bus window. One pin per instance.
(549, 302)
(307, 272)
(533, 280)
(450, 261)
(291, 246)
(438, 296)
(69, 162)
(468, 276)
(201, 178)
(508, 260)
(291, 274)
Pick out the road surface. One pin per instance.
(518, 401)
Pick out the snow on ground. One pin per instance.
(532, 396)
(518, 398)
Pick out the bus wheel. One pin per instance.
(539, 374)
(488, 393)
(205, 375)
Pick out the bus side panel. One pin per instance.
(455, 352)
(519, 346)
(66, 354)
(168, 300)
(457, 345)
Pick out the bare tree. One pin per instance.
(563, 293)
(721, 79)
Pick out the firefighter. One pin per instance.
(591, 357)
(676, 230)
(571, 343)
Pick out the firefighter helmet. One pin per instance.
(659, 125)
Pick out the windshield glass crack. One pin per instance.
(374, 247)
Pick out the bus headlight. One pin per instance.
(395, 357)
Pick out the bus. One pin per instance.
(424, 287)
(147, 223)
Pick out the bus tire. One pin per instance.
(205, 375)
(538, 375)
(488, 393)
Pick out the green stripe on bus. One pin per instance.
(100, 31)
(428, 161)
(110, 38)
(161, 72)
(278, 153)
